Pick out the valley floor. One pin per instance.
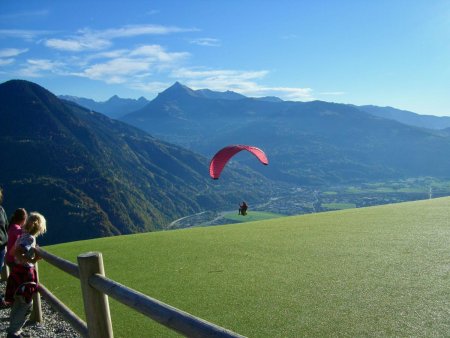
(295, 200)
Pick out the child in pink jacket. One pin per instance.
(15, 230)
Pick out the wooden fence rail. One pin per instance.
(60, 263)
(96, 287)
(177, 320)
(78, 324)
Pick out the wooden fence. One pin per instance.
(95, 287)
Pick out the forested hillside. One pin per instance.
(92, 176)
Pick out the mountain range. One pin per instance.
(115, 107)
(92, 176)
(308, 143)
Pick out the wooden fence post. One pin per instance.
(36, 314)
(96, 304)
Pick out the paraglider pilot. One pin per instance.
(243, 209)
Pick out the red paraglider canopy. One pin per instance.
(221, 158)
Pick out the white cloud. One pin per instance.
(117, 70)
(289, 93)
(39, 67)
(244, 82)
(218, 74)
(89, 40)
(78, 44)
(11, 52)
(209, 42)
(158, 53)
(150, 52)
(136, 30)
(22, 33)
(131, 66)
(143, 67)
(150, 87)
(112, 54)
(4, 62)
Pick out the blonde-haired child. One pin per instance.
(36, 224)
(22, 282)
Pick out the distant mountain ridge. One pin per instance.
(178, 88)
(92, 176)
(117, 107)
(114, 107)
(407, 117)
(312, 143)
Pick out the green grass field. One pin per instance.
(338, 206)
(379, 271)
(251, 216)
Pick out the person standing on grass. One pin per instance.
(243, 209)
(3, 231)
(22, 282)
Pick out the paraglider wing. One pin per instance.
(220, 159)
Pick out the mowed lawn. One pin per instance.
(379, 271)
(251, 216)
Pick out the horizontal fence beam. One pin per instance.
(173, 318)
(64, 265)
(77, 323)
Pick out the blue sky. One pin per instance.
(387, 53)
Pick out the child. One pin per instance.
(22, 282)
(3, 230)
(15, 230)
